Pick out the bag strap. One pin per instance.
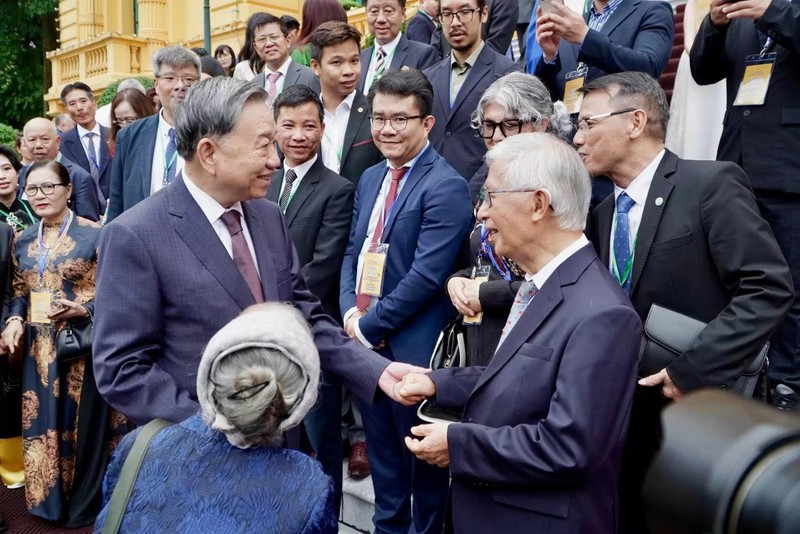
(130, 471)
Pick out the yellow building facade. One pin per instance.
(99, 44)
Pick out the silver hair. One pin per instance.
(525, 97)
(256, 387)
(542, 161)
(212, 108)
(175, 57)
(131, 83)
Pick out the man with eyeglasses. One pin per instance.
(458, 82)
(411, 216)
(146, 153)
(684, 235)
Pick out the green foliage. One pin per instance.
(111, 91)
(350, 4)
(8, 135)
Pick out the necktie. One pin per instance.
(93, 167)
(171, 157)
(272, 90)
(526, 292)
(380, 59)
(622, 245)
(241, 254)
(362, 299)
(288, 179)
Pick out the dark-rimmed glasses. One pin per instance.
(398, 123)
(170, 78)
(587, 123)
(124, 121)
(46, 189)
(508, 127)
(463, 16)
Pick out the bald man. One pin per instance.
(41, 138)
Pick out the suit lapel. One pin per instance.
(441, 87)
(193, 227)
(623, 11)
(149, 135)
(105, 156)
(358, 114)
(400, 54)
(73, 148)
(605, 220)
(366, 59)
(372, 188)
(292, 75)
(306, 188)
(422, 167)
(266, 267)
(481, 68)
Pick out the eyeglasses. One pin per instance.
(463, 16)
(124, 121)
(586, 124)
(486, 196)
(46, 189)
(263, 40)
(508, 127)
(171, 78)
(398, 123)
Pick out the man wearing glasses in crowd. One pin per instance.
(146, 157)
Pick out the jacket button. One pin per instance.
(448, 134)
(747, 113)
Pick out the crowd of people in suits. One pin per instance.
(385, 192)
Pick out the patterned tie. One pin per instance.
(241, 254)
(526, 292)
(93, 167)
(288, 179)
(171, 158)
(380, 58)
(622, 245)
(362, 299)
(272, 91)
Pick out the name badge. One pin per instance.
(41, 302)
(573, 83)
(755, 81)
(480, 275)
(373, 271)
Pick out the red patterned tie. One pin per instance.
(362, 299)
(241, 254)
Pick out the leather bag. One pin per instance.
(74, 341)
(450, 351)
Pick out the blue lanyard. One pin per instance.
(497, 262)
(43, 254)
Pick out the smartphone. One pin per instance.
(56, 308)
(547, 5)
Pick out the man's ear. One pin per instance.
(206, 155)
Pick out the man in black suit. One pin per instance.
(272, 44)
(763, 139)
(87, 143)
(392, 50)
(685, 235)
(347, 145)
(421, 26)
(318, 206)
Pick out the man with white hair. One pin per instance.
(563, 373)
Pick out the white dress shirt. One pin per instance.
(96, 140)
(300, 171)
(637, 190)
(335, 128)
(160, 155)
(213, 211)
(242, 71)
(283, 69)
(388, 49)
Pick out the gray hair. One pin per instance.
(131, 83)
(542, 161)
(525, 97)
(255, 389)
(175, 57)
(212, 108)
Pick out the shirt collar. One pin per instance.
(283, 69)
(347, 102)
(640, 186)
(388, 47)
(163, 125)
(212, 209)
(609, 8)
(302, 169)
(544, 273)
(472, 57)
(83, 131)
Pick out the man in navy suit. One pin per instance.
(87, 143)
(420, 27)
(459, 81)
(146, 156)
(540, 442)
(187, 260)
(411, 215)
(392, 50)
(272, 44)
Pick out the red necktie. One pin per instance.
(362, 299)
(241, 254)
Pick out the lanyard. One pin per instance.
(171, 162)
(14, 220)
(337, 148)
(626, 272)
(487, 251)
(62, 234)
(767, 47)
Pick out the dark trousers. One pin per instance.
(323, 428)
(782, 212)
(397, 474)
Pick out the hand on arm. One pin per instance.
(464, 295)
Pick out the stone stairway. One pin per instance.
(358, 499)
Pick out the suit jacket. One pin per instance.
(318, 217)
(426, 226)
(549, 459)
(296, 75)
(132, 170)
(359, 152)
(705, 251)
(408, 54)
(85, 198)
(452, 135)
(637, 37)
(762, 139)
(501, 24)
(420, 28)
(166, 284)
(72, 147)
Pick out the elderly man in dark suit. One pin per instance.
(272, 44)
(183, 263)
(146, 156)
(318, 206)
(392, 50)
(686, 235)
(421, 26)
(762, 138)
(540, 442)
(458, 82)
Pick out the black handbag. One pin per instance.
(450, 351)
(74, 341)
(668, 334)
